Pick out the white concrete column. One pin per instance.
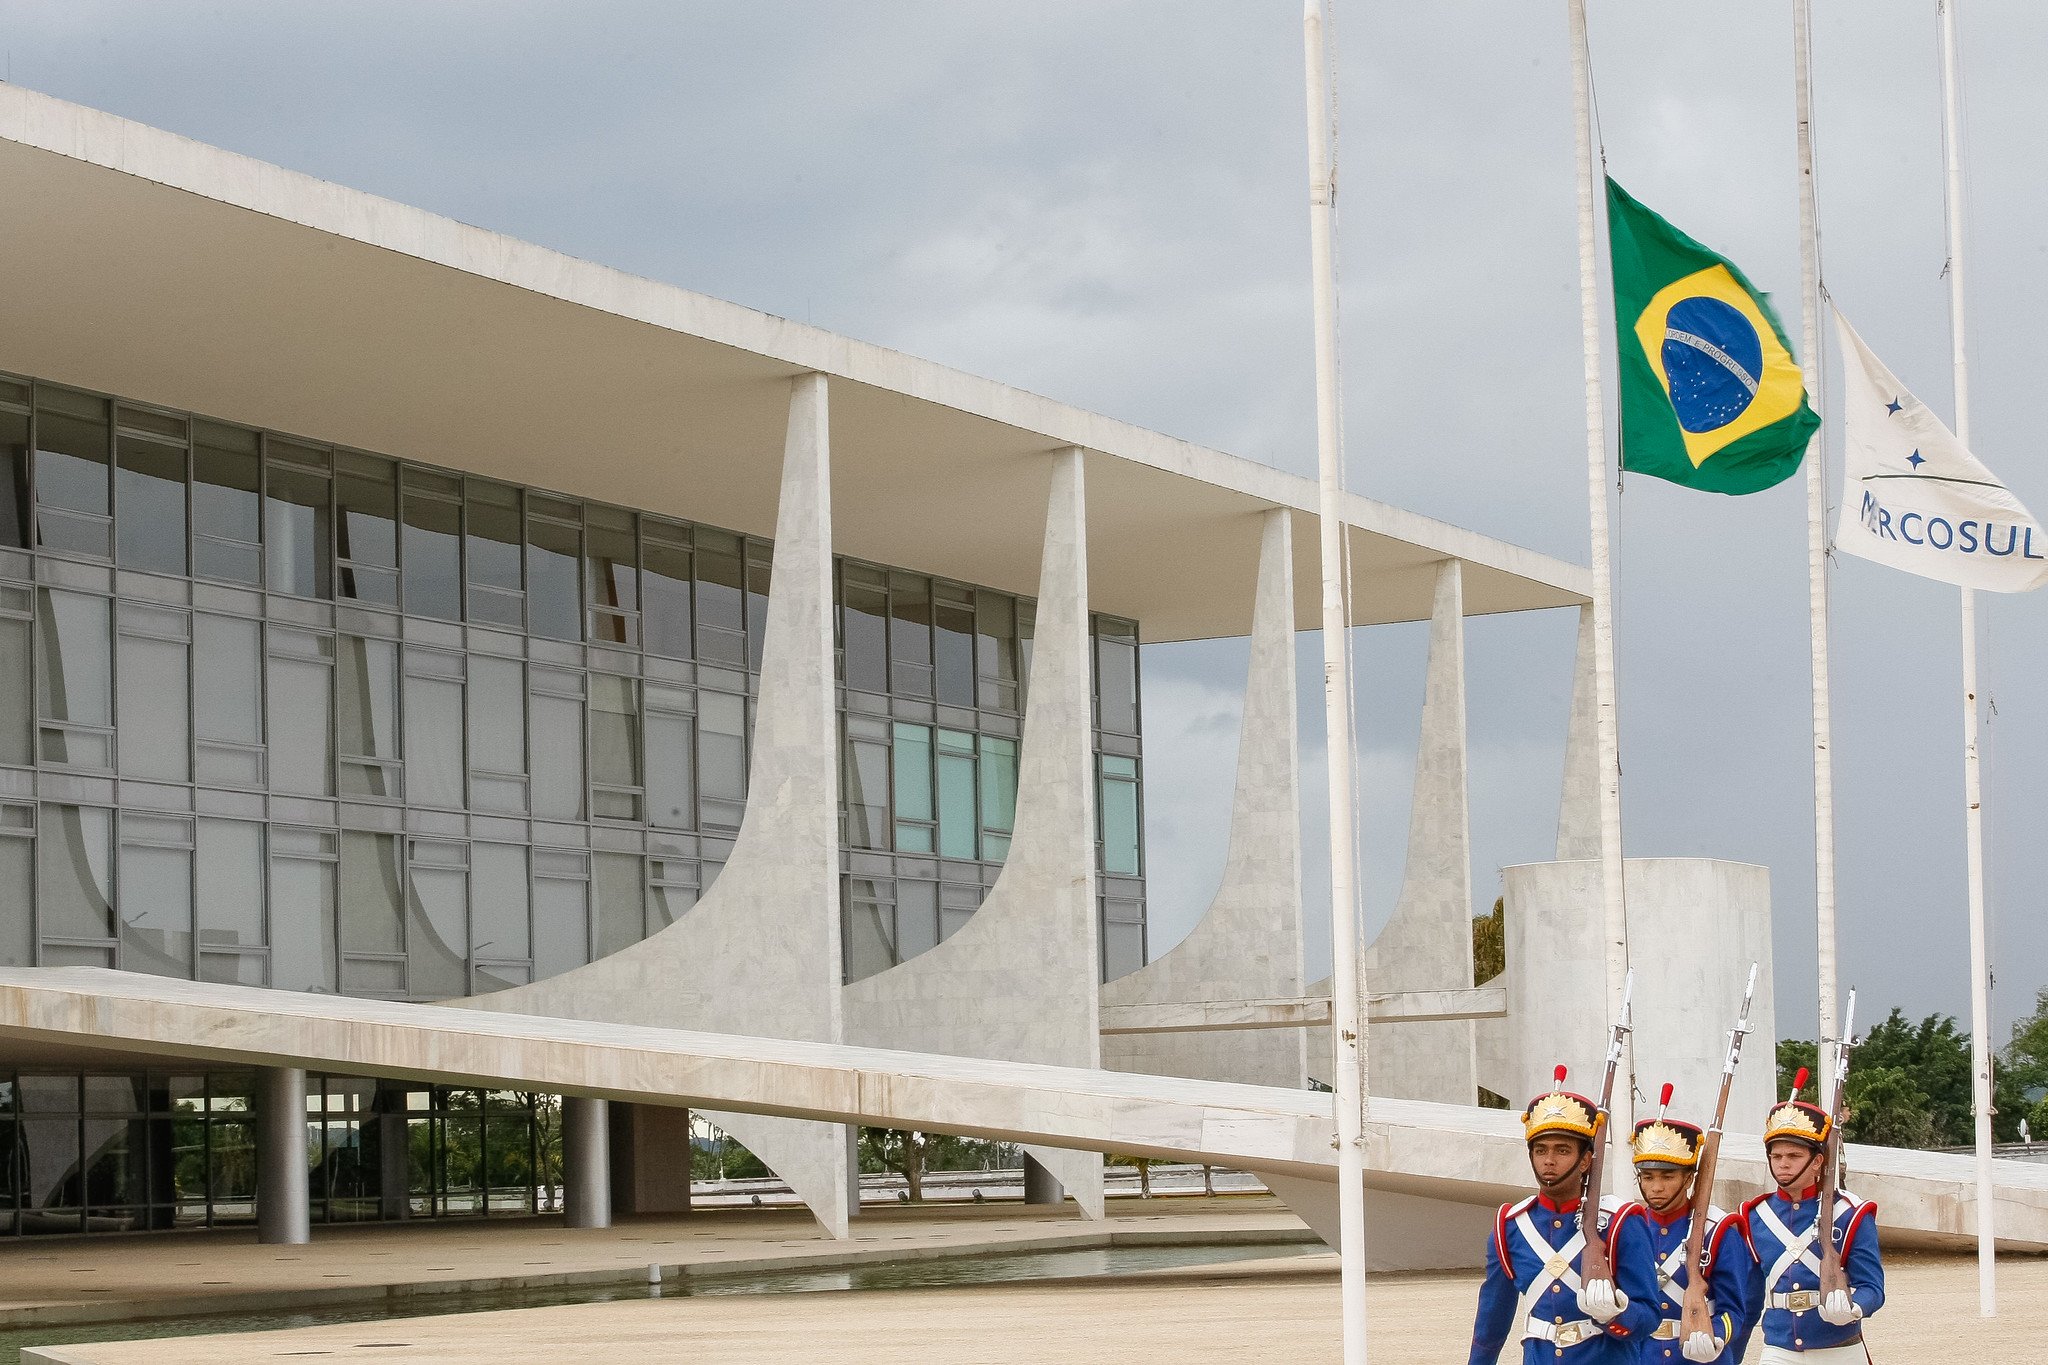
(1248, 945)
(586, 1162)
(1427, 944)
(1578, 807)
(1020, 981)
(759, 954)
(283, 1209)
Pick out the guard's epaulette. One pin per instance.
(1719, 1225)
(1509, 1211)
(1860, 1209)
(1618, 1215)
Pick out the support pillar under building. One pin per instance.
(586, 1162)
(282, 1177)
(1041, 1186)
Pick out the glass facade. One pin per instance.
(282, 714)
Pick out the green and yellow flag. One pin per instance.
(1710, 394)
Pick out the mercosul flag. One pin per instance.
(1710, 394)
(1915, 498)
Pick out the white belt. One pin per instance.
(1798, 1301)
(1562, 1333)
(1667, 1330)
(1851, 1354)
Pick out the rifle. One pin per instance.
(1593, 1263)
(1695, 1317)
(1832, 1276)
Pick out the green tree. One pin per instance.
(1490, 942)
(1794, 1053)
(1910, 1085)
(912, 1155)
(2026, 1057)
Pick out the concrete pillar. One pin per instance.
(586, 1162)
(1694, 926)
(1247, 945)
(1041, 1186)
(1427, 944)
(283, 1209)
(759, 954)
(394, 1157)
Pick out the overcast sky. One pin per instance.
(1103, 202)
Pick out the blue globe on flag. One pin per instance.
(1713, 362)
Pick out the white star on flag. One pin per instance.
(1915, 498)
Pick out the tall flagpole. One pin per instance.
(1347, 1019)
(1973, 791)
(1816, 543)
(1614, 903)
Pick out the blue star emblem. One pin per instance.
(1893, 407)
(1916, 459)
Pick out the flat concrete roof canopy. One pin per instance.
(143, 264)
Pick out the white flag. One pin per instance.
(1915, 498)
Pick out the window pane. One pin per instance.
(302, 956)
(76, 855)
(555, 605)
(665, 593)
(367, 712)
(561, 926)
(437, 939)
(490, 546)
(1119, 826)
(953, 617)
(557, 726)
(17, 930)
(617, 883)
(722, 756)
(17, 694)
(1116, 683)
(870, 931)
(917, 918)
(499, 905)
(957, 799)
(864, 629)
(156, 910)
(75, 660)
(497, 715)
(72, 436)
(910, 634)
(433, 549)
(759, 572)
(366, 528)
(300, 713)
(671, 770)
(230, 884)
(295, 529)
(867, 794)
(913, 772)
(1123, 950)
(433, 739)
(228, 701)
(998, 784)
(609, 565)
(995, 620)
(225, 503)
(614, 731)
(14, 459)
(371, 918)
(721, 599)
(151, 489)
(156, 737)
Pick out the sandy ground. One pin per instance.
(1267, 1311)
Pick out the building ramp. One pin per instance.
(1435, 1171)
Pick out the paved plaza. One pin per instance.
(1277, 1310)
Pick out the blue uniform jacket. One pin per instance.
(1513, 1267)
(1728, 1282)
(1855, 1232)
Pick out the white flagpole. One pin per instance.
(1973, 793)
(1347, 1019)
(1816, 544)
(1614, 902)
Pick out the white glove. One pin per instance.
(1839, 1309)
(1702, 1346)
(1602, 1301)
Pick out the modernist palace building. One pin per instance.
(389, 609)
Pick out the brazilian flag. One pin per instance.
(1710, 394)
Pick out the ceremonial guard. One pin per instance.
(1814, 1296)
(1667, 1161)
(1532, 1289)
